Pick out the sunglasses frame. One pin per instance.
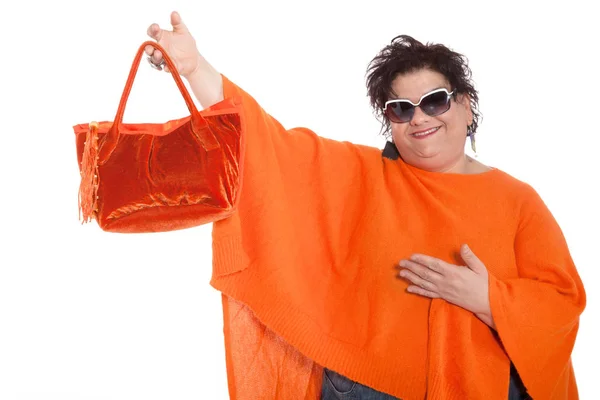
(448, 94)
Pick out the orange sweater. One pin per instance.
(306, 268)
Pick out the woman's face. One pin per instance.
(442, 148)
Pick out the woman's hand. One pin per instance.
(465, 286)
(205, 81)
(178, 43)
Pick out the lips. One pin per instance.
(424, 133)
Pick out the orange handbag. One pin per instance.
(151, 177)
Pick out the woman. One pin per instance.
(416, 272)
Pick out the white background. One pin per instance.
(86, 314)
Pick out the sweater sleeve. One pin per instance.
(294, 184)
(537, 314)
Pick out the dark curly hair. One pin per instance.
(405, 54)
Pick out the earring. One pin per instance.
(472, 137)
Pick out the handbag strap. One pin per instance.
(134, 68)
(111, 139)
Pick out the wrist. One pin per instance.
(206, 83)
(199, 71)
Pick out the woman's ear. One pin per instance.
(464, 100)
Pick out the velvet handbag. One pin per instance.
(158, 177)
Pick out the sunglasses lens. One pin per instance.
(400, 111)
(435, 104)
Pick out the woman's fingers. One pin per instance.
(149, 50)
(155, 32)
(157, 57)
(177, 23)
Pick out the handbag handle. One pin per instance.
(206, 140)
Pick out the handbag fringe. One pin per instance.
(88, 188)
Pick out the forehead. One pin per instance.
(413, 85)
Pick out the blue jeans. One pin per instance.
(338, 387)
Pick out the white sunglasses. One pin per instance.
(433, 103)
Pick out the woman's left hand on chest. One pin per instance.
(463, 285)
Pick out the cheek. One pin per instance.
(456, 124)
(399, 130)
(460, 117)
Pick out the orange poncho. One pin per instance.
(306, 268)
